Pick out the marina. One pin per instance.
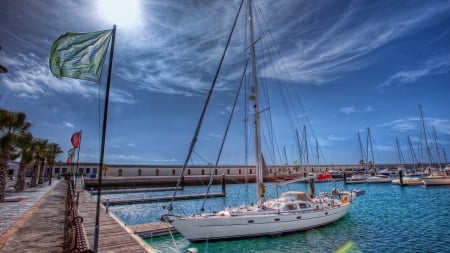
(385, 218)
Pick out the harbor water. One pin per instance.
(387, 218)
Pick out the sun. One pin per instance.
(123, 13)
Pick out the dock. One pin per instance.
(161, 198)
(154, 229)
(136, 190)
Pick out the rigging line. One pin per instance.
(224, 136)
(200, 121)
(286, 94)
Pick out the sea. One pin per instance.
(386, 218)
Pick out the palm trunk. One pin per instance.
(4, 154)
(41, 172)
(20, 183)
(34, 172)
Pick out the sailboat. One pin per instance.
(437, 176)
(292, 211)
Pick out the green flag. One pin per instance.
(80, 55)
(70, 152)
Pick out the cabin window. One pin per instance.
(303, 205)
(291, 207)
(88, 170)
(173, 172)
(80, 170)
(251, 221)
(203, 172)
(215, 171)
(94, 170)
(139, 172)
(299, 217)
(251, 171)
(120, 173)
(56, 170)
(157, 172)
(277, 219)
(228, 171)
(240, 172)
(189, 171)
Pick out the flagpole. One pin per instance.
(102, 149)
(78, 152)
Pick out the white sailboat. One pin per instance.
(292, 211)
(437, 176)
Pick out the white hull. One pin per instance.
(256, 222)
(409, 181)
(376, 179)
(436, 180)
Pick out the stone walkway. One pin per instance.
(33, 221)
(30, 221)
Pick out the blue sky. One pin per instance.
(353, 64)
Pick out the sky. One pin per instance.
(343, 67)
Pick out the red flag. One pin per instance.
(76, 139)
(69, 159)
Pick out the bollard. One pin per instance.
(107, 205)
(400, 173)
(223, 184)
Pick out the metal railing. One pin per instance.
(75, 238)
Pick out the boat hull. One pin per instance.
(436, 180)
(212, 228)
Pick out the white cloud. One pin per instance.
(347, 110)
(434, 66)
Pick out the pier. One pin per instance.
(154, 229)
(161, 198)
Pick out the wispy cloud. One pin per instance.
(68, 124)
(347, 110)
(30, 77)
(442, 126)
(434, 66)
(351, 109)
(335, 46)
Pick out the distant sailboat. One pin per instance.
(292, 211)
(437, 176)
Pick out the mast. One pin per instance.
(362, 150)
(299, 148)
(254, 91)
(369, 139)
(412, 153)
(438, 153)
(305, 140)
(401, 159)
(425, 135)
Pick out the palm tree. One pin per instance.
(53, 149)
(12, 124)
(38, 148)
(25, 145)
(41, 155)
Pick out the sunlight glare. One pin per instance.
(123, 13)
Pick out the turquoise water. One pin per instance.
(388, 218)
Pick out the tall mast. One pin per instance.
(254, 91)
(362, 150)
(412, 153)
(401, 159)
(425, 135)
(369, 138)
(438, 152)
